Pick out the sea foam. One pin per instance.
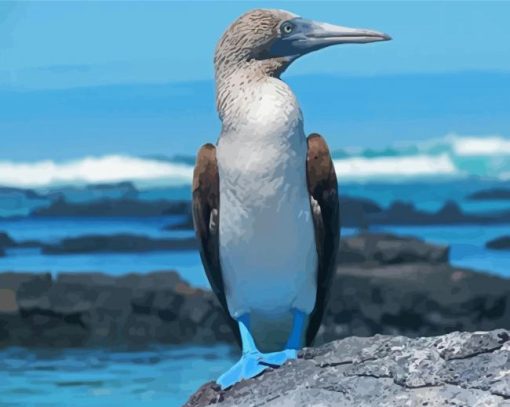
(436, 159)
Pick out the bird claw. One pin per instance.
(253, 364)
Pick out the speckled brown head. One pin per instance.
(271, 39)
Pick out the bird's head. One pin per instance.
(272, 39)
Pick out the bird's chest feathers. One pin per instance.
(264, 154)
(265, 111)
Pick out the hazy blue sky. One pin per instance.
(64, 45)
(61, 44)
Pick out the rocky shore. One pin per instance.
(499, 243)
(384, 284)
(459, 369)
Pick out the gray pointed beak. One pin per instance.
(304, 36)
(325, 34)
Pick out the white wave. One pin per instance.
(388, 167)
(92, 170)
(479, 146)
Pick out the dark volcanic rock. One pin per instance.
(458, 369)
(114, 207)
(186, 224)
(117, 243)
(6, 240)
(378, 288)
(500, 243)
(94, 192)
(355, 212)
(403, 213)
(490, 194)
(92, 309)
(381, 248)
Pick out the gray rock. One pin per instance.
(499, 243)
(458, 369)
(383, 285)
(119, 243)
(383, 248)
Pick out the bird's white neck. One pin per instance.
(257, 106)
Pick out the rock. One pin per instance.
(404, 213)
(490, 194)
(383, 285)
(94, 192)
(458, 369)
(381, 248)
(6, 240)
(94, 309)
(413, 299)
(117, 243)
(500, 243)
(355, 211)
(186, 224)
(114, 208)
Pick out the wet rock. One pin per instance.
(382, 248)
(490, 195)
(117, 243)
(500, 243)
(381, 371)
(383, 285)
(114, 208)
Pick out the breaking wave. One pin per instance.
(450, 157)
(94, 170)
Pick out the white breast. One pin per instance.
(267, 245)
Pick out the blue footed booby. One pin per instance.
(265, 199)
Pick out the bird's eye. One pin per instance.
(287, 28)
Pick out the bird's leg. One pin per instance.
(295, 340)
(252, 361)
(294, 343)
(248, 366)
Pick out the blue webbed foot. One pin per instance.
(246, 368)
(275, 359)
(252, 364)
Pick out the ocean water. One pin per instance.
(158, 376)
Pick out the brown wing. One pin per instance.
(205, 209)
(323, 188)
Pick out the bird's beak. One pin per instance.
(308, 35)
(323, 34)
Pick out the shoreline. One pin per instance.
(384, 284)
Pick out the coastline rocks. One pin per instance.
(186, 224)
(114, 208)
(500, 243)
(93, 192)
(6, 240)
(117, 243)
(384, 248)
(490, 194)
(94, 309)
(377, 289)
(402, 213)
(458, 369)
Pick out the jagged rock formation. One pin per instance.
(458, 369)
(384, 284)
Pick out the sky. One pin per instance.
(80, 78)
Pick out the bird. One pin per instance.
(265, 196)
